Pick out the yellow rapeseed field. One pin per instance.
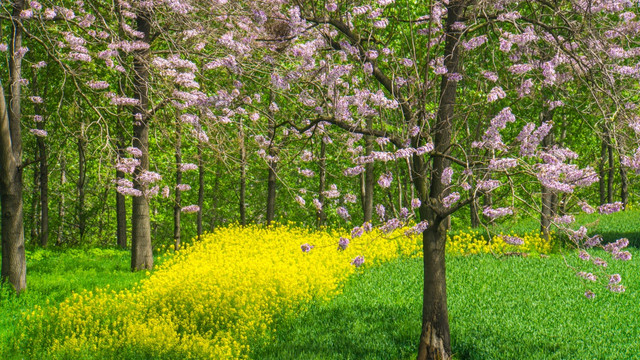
(213, 298)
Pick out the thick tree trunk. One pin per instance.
(177, 206)
(13, 252)
(243, 176)
(141, 250)
(321, 216)
(13, 266)
(435, 340)
(200, 189)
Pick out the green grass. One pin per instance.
(510, 308)
(611, 227)
(54, 275)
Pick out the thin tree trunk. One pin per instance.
(35, 201)
(271, 180)
(321, 216)
(200, 189)
(369, 181)
(624, 185)
(121, 202)
(44, 169)
(141, 250)
(435, 340)
(243, 176)
(612, 170)
(61, 208)
(216, 192)
(603, 173)
(473, 207)
(80, 186)
(546, 194)
(177, 206)
(14, 267)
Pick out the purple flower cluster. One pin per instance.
(497, 212)
(450, 199)
(343, 243)
(306, 247)
(385, 180)
(380, 210)
(358, 261)
(587, 276)
(343, 213)
(390, 226)
(610, 208)
(190, 209)
(513, 240)
(447, 173)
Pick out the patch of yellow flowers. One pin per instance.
(209, 300)
(471, 242)
(213, 298)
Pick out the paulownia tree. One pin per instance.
(421, 79)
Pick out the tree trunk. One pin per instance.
(547, 195)
(369, 181)
(321, 216)
(612, 170)
(121, 202)
(271, 180)
(200, 189)
(61, 208)
(435, 340)
(44, 192)
(214, 205)
(602, 173)
(624, 185)
(80, 203)
(141, 250)
(177, 206)
(14, 268)
(35, 202)
(243, 176)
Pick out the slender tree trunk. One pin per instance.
(603, 173)
(80, 186)
(121, 202)
(14, 267)
(61, 206)
(243, 176)
(178, 200)
(141, 250)
(612, 170)
(369, 181)
(271, 180)
(35, 201)
(200, 189)
(473, 207)
(435, 340)
(43, 169)
(321, 216)
(546, 194)
(624, 185)
(216, 192)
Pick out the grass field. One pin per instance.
(499, 308)
(510, 308)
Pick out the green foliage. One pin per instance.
(510, 308)
(53, 275)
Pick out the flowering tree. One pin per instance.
(420, 79)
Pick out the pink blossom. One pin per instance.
(343, 213)
(358, 261)
(134, 151)
(447, 173)
(36, 99)
(187, 167)
(610, 208)
(497, 212)
(183, 187)
(190, 209)
(495, 94)
(385, 180)
(450, 199)
(38, 132)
